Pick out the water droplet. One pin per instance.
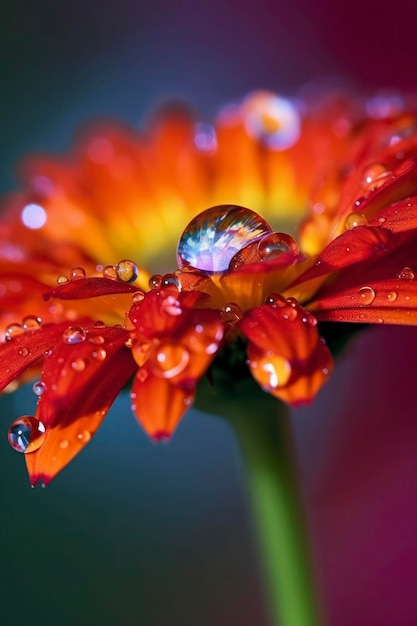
(127, 271)
(26, 434)
(366, 295)
(73, 334)
(271, 246)
(155, 281)
(13, 330)
(171, 360)
(382, 220)
(271, 372)
(355, 219)
(275, 300)
(374, 175)
(61, 279)
(231, 313)
(110, 272)
(99, 354)
(213, 237)
(97, 340)
(137, 297)
(406, 273)
(23, 351)
(39, 388)
(290, 314)
(64, 444)
(31, 322)
(78, 364)
(170, 280)
(84, 436)
(271, 119)
(392, 296)
(77, 272)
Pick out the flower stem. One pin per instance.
(267, 448)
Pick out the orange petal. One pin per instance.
(81, 382)
(286, 355)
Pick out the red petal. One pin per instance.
(286, 354)
(158, 404)
(82, 288)
(82, 380)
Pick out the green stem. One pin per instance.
(264, 433)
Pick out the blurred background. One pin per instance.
(137, 534)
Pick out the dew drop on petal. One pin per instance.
(26, 434)
(375, 175)
(406, 273)
(155, 281)
(355, 219)
(272, 372)
(366, 295)
(39, 388)
(64, 444)
(73, 334)
(84, 436)
(137, 297)
(213, 237)
(13, 330)
(78, 364)
(99, 354)
(127, 271)
(172, 359)
(97, 340)
(77, 272)
(231, 313)
(392, 296)
(62, 279)
(170, 280)
(110, 272)
(275, 300)
(271, 246)
(23, 351)
(31, 322)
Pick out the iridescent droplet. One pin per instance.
(355, 219)
(77, 272)
(26, 434)
(13, 330)
(31, 322)
(171, 360)
(127, 271)
(73, 334)
(366, 295)
(213, 237)
(406, 273)
(39, 388)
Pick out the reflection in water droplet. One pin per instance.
(355, 219)
(170, 280)
(271, 246)
(214, 236)
(77, 272)
(73, 334)
(26, 434)
(171, 360)
(366, 295)
(406, 273)
(127, 271)
(39, 388)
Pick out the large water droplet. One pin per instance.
(31, 322)
(39, 388)
(375, 175)
(272, 372)
(26, 434)
(406, 273)
(271, 246)
(13, 330)
(127, 271)
(73, 334)
(213, 237)
(231, 313)
(355, 219)
(366, 295)
(77, 272)
(171, 360)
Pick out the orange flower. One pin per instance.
(245, 296)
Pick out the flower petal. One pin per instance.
(81, 382)
(286, 355)
(82, 288)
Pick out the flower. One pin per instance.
(244, 296)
